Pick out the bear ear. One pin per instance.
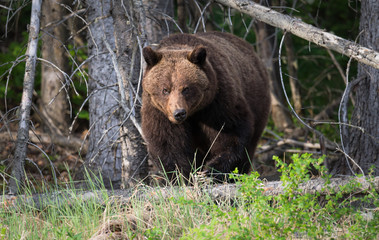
(151, 57)
(198, 55)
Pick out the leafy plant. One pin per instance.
(292, 213)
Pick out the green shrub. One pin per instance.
(291, 214)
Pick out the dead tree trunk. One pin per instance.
(104, 151)
(363, 142)
(220, 192)
(134, 28)
(267, 51)
(17, 175)
(54, 87)
(182, 15)
(292, 71)
(158, 24)
(115, 147)
(128, 64)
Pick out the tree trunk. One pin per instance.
(115, 145)
(292, 71)
(267, 51)
(134, 155)
(157, 24)
(134, 28)
(217, 192)
(17, 175)
(363, 146)
(54, 105)
(182, 15)
(104, 151)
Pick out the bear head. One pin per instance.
(176, 81)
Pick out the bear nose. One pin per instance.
(180, 114)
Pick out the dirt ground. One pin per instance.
(42, 154)
(66, 160)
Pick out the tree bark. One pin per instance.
(267, 51)
(134, 28)
(115, 145)
(104, 151)
(363, 146)
(157, 24)
(17, 175)
(54, 105)
(128, 65)
(292, 71)
(305, 31)
(182, 15)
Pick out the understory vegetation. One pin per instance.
(251, 214)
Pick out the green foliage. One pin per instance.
(11, 72)
(320, 81)
(3, 232)
(297, 172)
(292, 213)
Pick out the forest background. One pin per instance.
(65, 135)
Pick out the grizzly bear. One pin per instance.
(205, 103)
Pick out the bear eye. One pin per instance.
(185, 90)
(165, 91)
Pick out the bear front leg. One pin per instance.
(232, 149)
(169, 145)
(170, 162)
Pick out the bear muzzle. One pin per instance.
(180, 115)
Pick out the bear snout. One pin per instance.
(180, 114)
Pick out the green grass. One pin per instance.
(193, 214)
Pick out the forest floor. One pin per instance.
(66, 159)
(42, 155)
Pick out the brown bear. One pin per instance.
(205, 103)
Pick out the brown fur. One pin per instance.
(205, 103)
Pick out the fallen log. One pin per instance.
(71, 142)
(219, 192)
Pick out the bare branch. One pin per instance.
(5, 7)
(295, 143)
(9, 16)
(201, 16)
(72, 14)
(305, 31)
